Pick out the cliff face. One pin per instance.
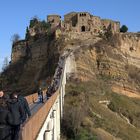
(32, 65)
(130, 47)
(117, 58)
(105, 71)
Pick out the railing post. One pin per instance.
(48, 132)
(47, 135)
(58, 120)
(55, 124)
(63, 93)
(61, 101)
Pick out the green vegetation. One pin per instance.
(39, 28)
(27, 35)
(11, 74)
(133, 72)
(85, 135)
(41, 24)
(33, 22)
(124, 29)
(128, 108)
(45, 25)
(83, 114)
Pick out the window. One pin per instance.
(52, 21)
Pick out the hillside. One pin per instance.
(102, 95)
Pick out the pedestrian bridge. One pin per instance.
(44, 124)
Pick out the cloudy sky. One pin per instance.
(16, 14)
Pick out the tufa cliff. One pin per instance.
(103, 88)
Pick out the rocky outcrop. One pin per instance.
(115, 59)
(33, 62)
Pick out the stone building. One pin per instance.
(114, 26)
(84, 22)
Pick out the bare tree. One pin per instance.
(5, 63)
(15, 38)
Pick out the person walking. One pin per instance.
(48, 92)
(16, 110)
(40, 95)
(3, 96)
(25, 108)
(6, 121)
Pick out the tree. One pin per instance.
(27, 36)
(45, 25)
(5, 63)
(15, 38)
(34, 21)
(124, 28)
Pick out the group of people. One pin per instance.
(14, 110)
(52, 88)
(56, 80)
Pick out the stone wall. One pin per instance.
(111, 25)
(55, 20)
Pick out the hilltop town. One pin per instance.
(78, 22)
(75, 25)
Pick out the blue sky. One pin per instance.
(16, 14)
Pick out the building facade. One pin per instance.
(84, 22)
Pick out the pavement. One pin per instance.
(36, 106)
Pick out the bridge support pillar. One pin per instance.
(61, 102)
(54, 127)
(47, 135)
(58, 119)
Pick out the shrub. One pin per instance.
(124, 29)
(27, 36)
(15, 38)
(33, 22)
(45, 25)
(85, 135)
(134, 73)
(112, 107)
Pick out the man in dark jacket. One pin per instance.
(25, 107)
(40, 95)
(15, 108)
(48, 92)
(6, 121)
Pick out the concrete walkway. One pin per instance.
(36, 106)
